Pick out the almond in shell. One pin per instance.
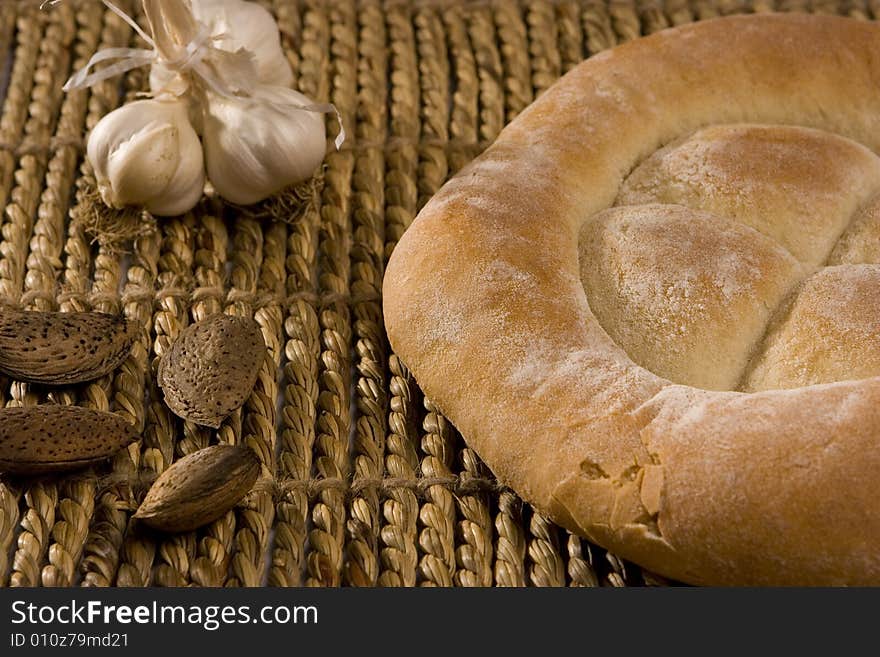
(53, 438)
(211, 369)
(199, 488)
(54, 348)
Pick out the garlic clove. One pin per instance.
(128, 178)
(188, 183)
(250, 26)
(147, 153)
(256, 147)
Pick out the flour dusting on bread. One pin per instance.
(590, 354)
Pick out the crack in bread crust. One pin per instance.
(757, 488)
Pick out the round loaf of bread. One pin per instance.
(652, 306)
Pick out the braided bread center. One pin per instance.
(743, 257)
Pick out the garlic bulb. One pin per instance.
(257, 146)
(147, 153)
(243, 26)
(217, 71)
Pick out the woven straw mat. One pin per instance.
(365, 482)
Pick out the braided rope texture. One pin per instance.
(364, 482)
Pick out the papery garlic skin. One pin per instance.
(255, 147)
(250, 26)
(243, 25)
(164, 81)
(188, 183)
(146, 153)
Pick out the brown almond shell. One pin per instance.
(199, 488)
(54, 438)
(55, 348)
(211, 369)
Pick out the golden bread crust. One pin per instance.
(485, 302)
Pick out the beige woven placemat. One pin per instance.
(365, 482)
